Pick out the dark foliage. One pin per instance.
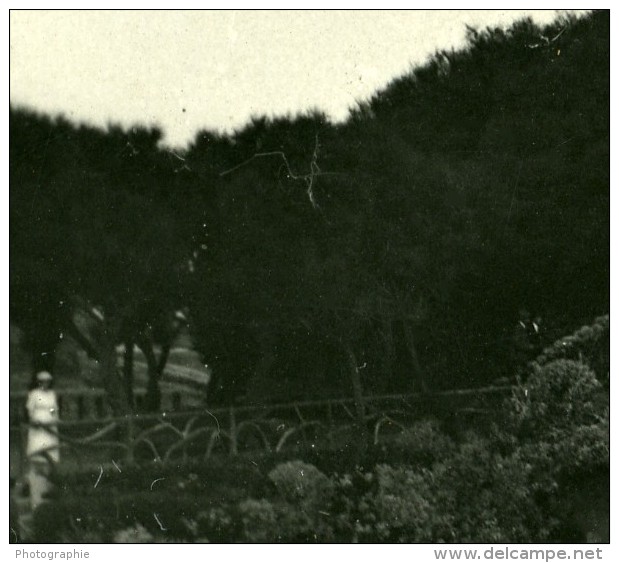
(391, 253)
(540, 477)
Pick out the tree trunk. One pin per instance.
(112, 380)
(152, 401)
(267, 340)
(419, 373)
(128, 371)
(155, 367)
(387, 357)
(357, 389)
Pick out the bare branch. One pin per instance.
(546, 42)
(257, 155)
(558, 35)
(307, 178)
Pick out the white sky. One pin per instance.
(189, 70)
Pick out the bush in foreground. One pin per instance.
(525, 481)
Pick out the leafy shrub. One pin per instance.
(82, 536)
(134, 534)
(425, 443)
(230, 479)
(485, 496)
(302, 483)
(568, 456)
(559, 427)
(352, 512)
(558, 396)
(259, 520)
(218, 524)
(102, 515)
(589, 344)
(306, 492)
(587, 448)
(473, 494)
(404, 505)
(510, 486)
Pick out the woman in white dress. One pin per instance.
(43, 446)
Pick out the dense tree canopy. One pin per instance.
(392, 252)
(92, 229)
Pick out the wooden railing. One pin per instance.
(202, 433)
(90, 404)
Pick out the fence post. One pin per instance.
(129, 435)
(234, 449)
(301, 423)
(330, 424)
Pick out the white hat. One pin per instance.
(44, 376)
